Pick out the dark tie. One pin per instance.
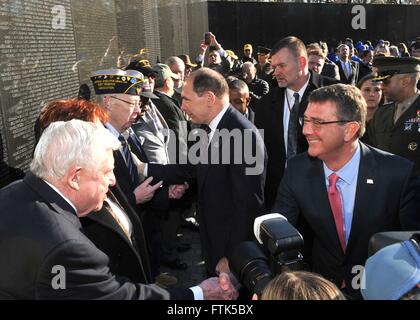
(292, 128)
(207, 129)
(132, 169)
(134, 142)
(335, 201)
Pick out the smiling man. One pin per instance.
(341, 192)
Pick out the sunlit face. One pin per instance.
(239, 99)
(248, 52)
(286, 68)
(123, 110)
(214, 58)
(372, 93)
(392, 88)
(94, 184)
(194, 106)
(344, 52)
(249, 73)
(151, 79)
(325, 141)
(262, 58)
(178, 69)
(316, 63)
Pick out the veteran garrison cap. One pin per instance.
(117, 81)
(389, 66)
(111, 81)
(263, 50)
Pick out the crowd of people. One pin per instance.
(329, 139)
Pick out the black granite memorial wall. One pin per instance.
(37, 53)
(48, 48)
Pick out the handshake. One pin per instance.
(219, 288)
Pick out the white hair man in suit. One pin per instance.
(41, 237)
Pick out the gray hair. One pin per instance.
(248, 66)
(174, 60)
(64, 145)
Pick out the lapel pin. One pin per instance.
(369, 181)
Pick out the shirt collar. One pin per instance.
(112, 129)
(215, 122)
(408, 102)
(290, 92)
(62, 195)
(348, 172)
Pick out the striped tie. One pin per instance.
(129, 160)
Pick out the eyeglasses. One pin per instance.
(132, 104)
(317, 124)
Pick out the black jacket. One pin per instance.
(40, 233)
(269, 116)
(229, 199)
(387, 203)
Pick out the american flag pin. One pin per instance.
(369, 181)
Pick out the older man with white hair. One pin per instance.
(45, 254)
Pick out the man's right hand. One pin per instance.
(145, 192)
(203, 47)
(220, 288)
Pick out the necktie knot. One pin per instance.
(333, 178)
(297, 97)
(206, 128)
(122, 140)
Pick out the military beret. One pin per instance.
(263, 50)
(389, 66)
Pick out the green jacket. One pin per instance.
(401, 138)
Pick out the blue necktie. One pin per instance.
(292, 132)
(132, 169)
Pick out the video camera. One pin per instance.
(278, 248)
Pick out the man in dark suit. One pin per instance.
(348, 69)
(239, 98)
(395, 127)
(341, 192)
(45, 254)
(290, 64)
(230, 184)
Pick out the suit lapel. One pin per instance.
(365, 193)
(55, 201)
(138, 238)
(213, 145)
(135, 144)
(121, 170)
